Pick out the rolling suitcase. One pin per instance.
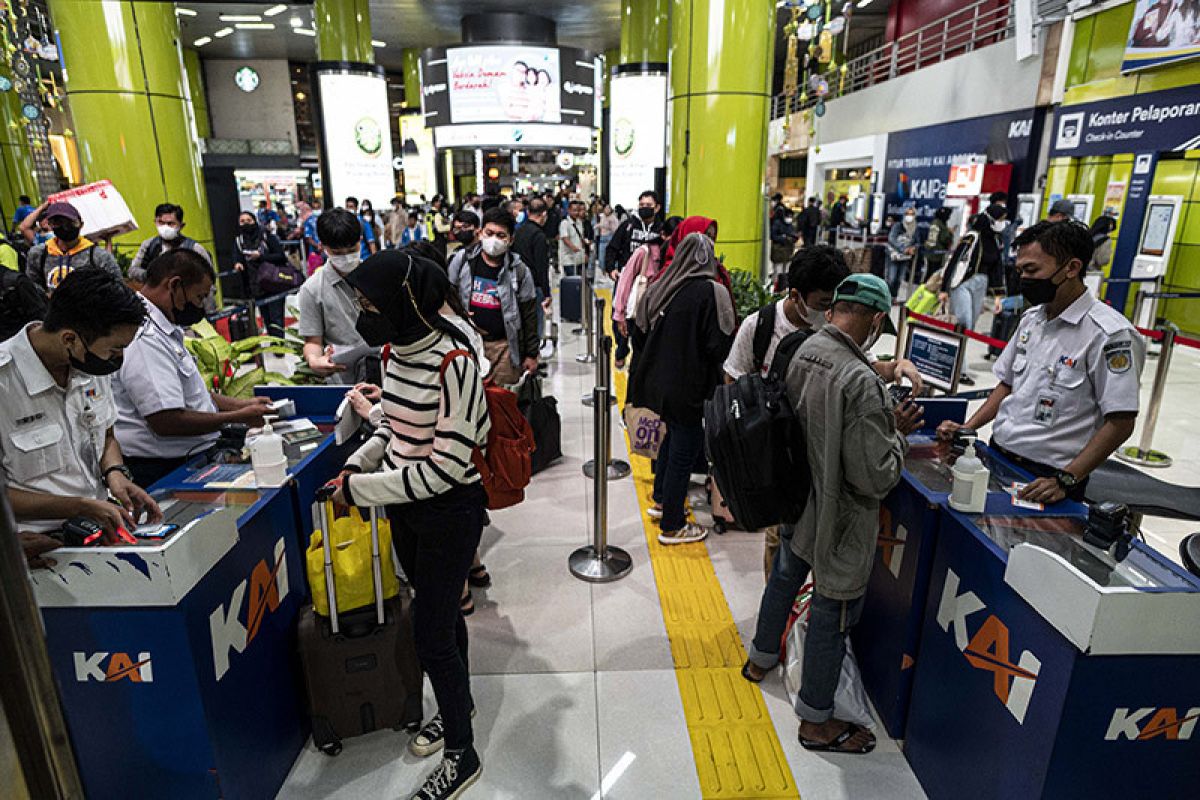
(570, 301)
(542, 412)
(1004, 325)
(360, 668)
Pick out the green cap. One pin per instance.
(869, 290)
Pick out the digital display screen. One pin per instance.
(358, 142)
(1158, 228)
(638, 140)
(937, 355)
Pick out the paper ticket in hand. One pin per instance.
(1015, 490)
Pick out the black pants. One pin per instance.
(436, 541)
(148, 471)
(1040, 470)
(272, 314)
(622, 343)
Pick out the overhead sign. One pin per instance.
(1158, 121)
(1162, 31)
(357, 144)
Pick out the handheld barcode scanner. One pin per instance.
(83, 532)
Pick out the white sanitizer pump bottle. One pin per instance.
(267, 457)
(970, 489)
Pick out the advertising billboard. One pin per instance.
(637, 143)
(494, 134)
(357, 143)
(1162, 31)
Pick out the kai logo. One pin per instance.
(891, 542)
(268, 585)
(1020, 129)
(988, 649)
(119, 667)
(1141, 724)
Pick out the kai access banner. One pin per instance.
(1162, 32)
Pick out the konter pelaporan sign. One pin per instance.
(1154, 122)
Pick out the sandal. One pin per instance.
(467, 604)
(835, 745)
(479, 577)
(748, 675)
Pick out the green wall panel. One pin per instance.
(1109, 35)
(1077, 65)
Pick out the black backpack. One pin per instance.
(21, 302)
(754, 441)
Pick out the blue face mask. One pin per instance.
(520, 217)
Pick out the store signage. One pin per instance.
(1141, 724)
(113, 667)
(1162, 31)
(357, 143)
(1160, 121)
(988, 649)
(235, 625)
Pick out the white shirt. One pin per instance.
(741, 356)
(329, 309)
(51, 439)
(570, 230)
(159, 374)
(1066, 375)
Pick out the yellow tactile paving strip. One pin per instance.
(734, 742)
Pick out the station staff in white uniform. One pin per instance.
(166, 410)
(1068, 391)
(57, 448)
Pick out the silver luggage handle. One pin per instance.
(323, 512)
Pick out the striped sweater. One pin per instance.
(430, 427)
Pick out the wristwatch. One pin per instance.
(121, 468)
(1066, 480)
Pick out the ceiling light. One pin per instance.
(296, 22)
(273, 10)
(240, 18)
(221, 34)
(863, 3)
(203, 40)
(255, 26)
(185, 12)
(377, 43)
(304, 31)
(300, 95)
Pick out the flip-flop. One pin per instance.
(748, 676)
(467, 605)
(835, 745)
(479, 577)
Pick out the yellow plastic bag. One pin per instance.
(923, 301)
(352, 572)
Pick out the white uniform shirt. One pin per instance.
(1066, 375)
(51, 439)
(571, 230)
(159, 374)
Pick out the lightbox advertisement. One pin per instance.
(638, 139)
(358, 143)
(1162, 31)
(513, 83)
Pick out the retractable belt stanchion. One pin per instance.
(598, 562)
(588, 327)
(597, 315)
(1143, 454)
(617, 468)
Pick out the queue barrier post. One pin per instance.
(588, 326)
(1143, 454)
(616, 468)
(598, 562)
(598, 314)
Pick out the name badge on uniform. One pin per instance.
(1118, 357)
(1043, 412)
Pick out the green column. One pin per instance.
(17, 171)
(644, 31)
(195, 79)
(409, 58)
(344, 31)
(134, 124)
(611, 59)
(719, 96)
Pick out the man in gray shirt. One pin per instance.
(329, 310)
(47, 264)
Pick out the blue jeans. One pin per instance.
(897, 272)
(673, 468)
(967, 299)
(788, 574)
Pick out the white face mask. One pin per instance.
(812, 316)
(494, 246)
(345, 263)
(872, 338)
(167, 232)
(998, 226)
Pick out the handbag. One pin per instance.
(542, 413)
(635, 292)
(353, 577)
(278, 278)
(646, 431)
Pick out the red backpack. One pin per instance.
(508, 466)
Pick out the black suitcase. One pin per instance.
(242, 324)
(542, 413)
(360, 668)
(1004, 325)
(570, 301)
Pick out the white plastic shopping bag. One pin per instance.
(850, 700)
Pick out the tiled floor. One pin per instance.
(574, 682)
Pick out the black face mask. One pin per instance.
(645, 213)
(249, 229)
(1039, 291)
(464, 236)
(93, 364)
(375, 329)
(189, 315)
(67, 232)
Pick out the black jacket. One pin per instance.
(679, 362)
(631, 234)
(531, 245)
(272, 253)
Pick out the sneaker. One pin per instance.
(431, 737)
(688, 533)
(458, 770)
(654, 512)
(547, 349)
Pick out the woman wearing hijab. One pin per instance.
(684, 326)
(419, 465)
(641, 268)
(255, 246)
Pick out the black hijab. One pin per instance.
(409, 291)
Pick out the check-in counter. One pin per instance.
(1050, 669)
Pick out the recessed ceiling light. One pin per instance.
(273, 10)
(255, 26)
(304, 31)
(221, 34)
(296, 22)
(203, 40)
(377, 43)
(240, 18)
(185, 12)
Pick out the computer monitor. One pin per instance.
(937, 354)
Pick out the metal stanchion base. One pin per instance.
(617, 469)
(585, 358)
(1144, 458)
(589, 402)
(587, 564)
